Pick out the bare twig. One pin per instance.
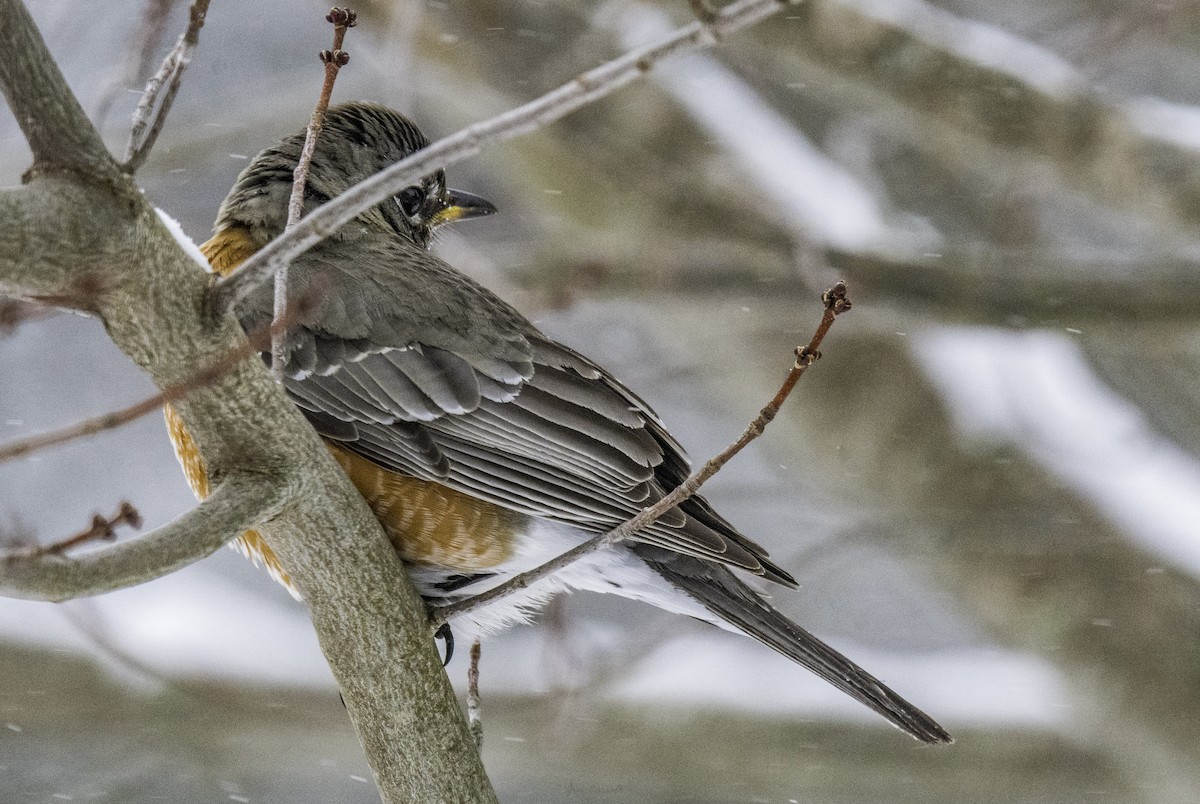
(84, 292)
(703, 11)
(474, 705)
(18, 535)
(835, 302)
(580, 91)
(145, 41)
(255, 343)
(341, 19)
(239, 502)
(102, 529)
(145, 130)
(13, 312)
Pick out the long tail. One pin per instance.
(733, 601)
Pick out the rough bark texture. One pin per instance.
(82, 234)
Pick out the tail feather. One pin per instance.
(720, 591)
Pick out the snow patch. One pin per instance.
(965, 687)
(185, 242)
(824, 200)
(1036, 391)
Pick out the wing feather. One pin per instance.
(553, 436)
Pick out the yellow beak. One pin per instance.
(460, 207)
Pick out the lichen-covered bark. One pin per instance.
(80, 233)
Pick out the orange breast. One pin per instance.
(427, 522)
(430, 523)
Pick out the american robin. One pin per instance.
(484, 447)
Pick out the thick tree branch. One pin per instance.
(48, 249)
(371, 624)
(64, 234)
(992, 285)
(1003, 117)
(207, 375)
(65, 231)
(585, 89)
(59, 133)
(239, 502)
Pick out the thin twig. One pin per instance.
(582, 90)
(256, 341)
(144, 132)
(703, 11)
(341, 19)
(85, 292)
(14, 312)
(102, 529)
(474, 703)
(146, 41)
(240, 501)
(835, 302)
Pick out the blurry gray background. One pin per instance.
(988, 488)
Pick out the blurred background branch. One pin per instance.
(145, 40)
(1006, 518)
(159, 95)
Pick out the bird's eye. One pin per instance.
(411, 199)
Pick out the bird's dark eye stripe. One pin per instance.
(410, 200)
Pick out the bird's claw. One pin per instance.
(446, 635)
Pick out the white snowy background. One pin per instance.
(994, 508)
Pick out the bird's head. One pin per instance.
(357, 141)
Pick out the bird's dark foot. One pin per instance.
(446, 635)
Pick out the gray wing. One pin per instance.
(419, 369)
(546, 433)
